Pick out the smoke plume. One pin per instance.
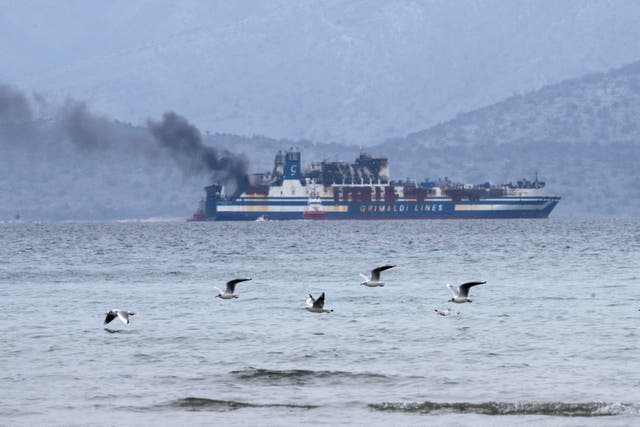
(86, 130)
(184, 142)
(172, 137)
(16, 115)
(14, 106)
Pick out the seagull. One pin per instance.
(120, 314)
(446, 312)
(375, 276)
(317, 305)
(463, 292)
(229, 291)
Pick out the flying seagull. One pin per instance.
(374, 280)
(317, 305)
(229, 291)
(120, 314)
(462, 295)
(446, 312)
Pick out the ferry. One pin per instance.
(363, 190)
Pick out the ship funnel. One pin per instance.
(292, 165)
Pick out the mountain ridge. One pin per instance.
(354, 73)
(581, 135)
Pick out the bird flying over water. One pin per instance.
(446, 312)
(123, 315)
(462, 295)
(317, 305)
(229, 291)
(374, 280)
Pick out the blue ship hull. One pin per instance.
(246, 210)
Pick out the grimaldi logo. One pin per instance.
(402, 207)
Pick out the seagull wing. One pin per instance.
(453, 291)
(464, 288)
(365, 278)
(231, 285)
(319, 303)
(124, 316)
(375, 273)
(310, 301)
(110, 316)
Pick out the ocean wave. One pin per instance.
(204, 404)
(558, 409)
(299, 375)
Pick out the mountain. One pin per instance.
(581, 135)
(353, 72)
(598, 108)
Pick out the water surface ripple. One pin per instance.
(551, 338)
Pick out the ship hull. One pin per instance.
(443, 208)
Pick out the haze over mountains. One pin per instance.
(483, 91)
(353, 72)
(582, 136)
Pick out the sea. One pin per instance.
(551, 338)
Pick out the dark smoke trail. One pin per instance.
(33, 130)
(86, 130)
(91, 132)
(16, 117)
(63, 161)
(184, 142)
(14, 106)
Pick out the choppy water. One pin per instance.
(551, 338)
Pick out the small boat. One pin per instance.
(314, 207)
(260, 218)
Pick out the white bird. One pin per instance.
(446, 312)
(462, 295)
(123, 315)
(374, 280)
(317, 305)
(229, 291)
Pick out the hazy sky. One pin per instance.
(347, 71)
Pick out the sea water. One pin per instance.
(551, 338)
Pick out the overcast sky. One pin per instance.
(353, 72)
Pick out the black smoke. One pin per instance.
(14, 106)
(86, 130)
(184, 142)
(16, 115)
(173, 136)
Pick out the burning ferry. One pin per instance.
(363, 190)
